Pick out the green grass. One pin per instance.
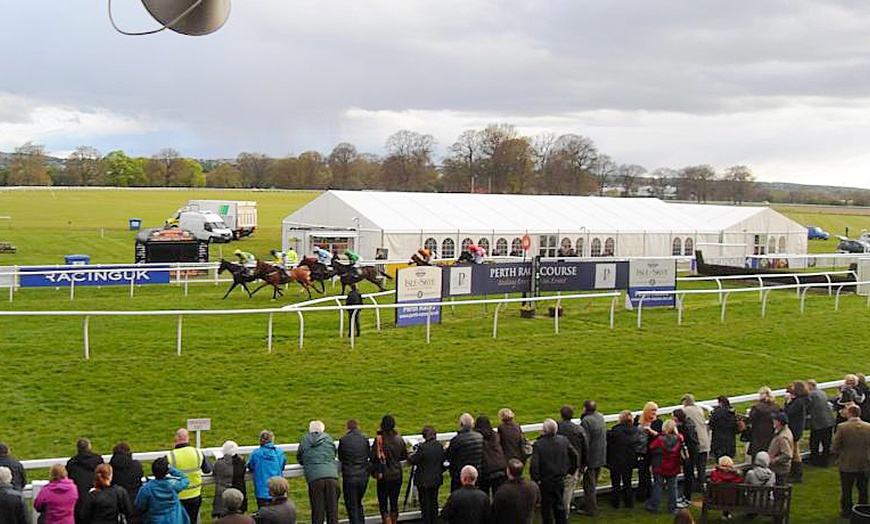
(134, 387)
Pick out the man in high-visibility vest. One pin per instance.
(190, 461)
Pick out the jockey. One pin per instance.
(354, 260)
(477, 253)
(286, 259)
(245, 258)
(425, 255)
(323, 256)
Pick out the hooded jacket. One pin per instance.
(127, 473)
(316, 453)
(13, 510)
(761, 474)
(159, 502)
(57, 501)
(265, 462)
(81, 470)
(668, 463)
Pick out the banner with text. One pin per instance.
(515, 277)
(417, 286)
(651, 275)
(51, 276)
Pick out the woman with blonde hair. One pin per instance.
(510, 436)
(56, 502)
(106, 503)
(649, 426)
(761, 421)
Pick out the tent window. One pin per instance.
(465, 243)
(771, 245)
(595, 248)
(565, 249)
(782, 244)
(580, 246)
(757, 245)
(516, 247)
(431, 244)
(547, 246)
(484, 243)
(609, 247)
(501, 248)
(690, 247)
(677, 247)
(447, 248)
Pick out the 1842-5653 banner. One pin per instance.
(417, 286)
(53, 276)
(652, 275)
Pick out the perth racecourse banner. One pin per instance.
(54, 276)
(417, 286)
(516, 277)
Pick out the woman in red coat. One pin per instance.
(665, 461)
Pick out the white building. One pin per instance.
(400, 223)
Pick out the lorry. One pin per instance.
(204, 225)
(239, 215)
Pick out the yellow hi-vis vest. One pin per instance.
(188, 460)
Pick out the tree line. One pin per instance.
(495, 159)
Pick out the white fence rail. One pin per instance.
(305, 307)
(724, 293)
(761, 277)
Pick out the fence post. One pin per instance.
(760, 288)
(351, 331)
(377, 313)
(72, 286)
(269, 336)
(428, 323)
(640, 310)
(87, 338)
(178, 337)
(301, 327)
(495, 319)
(340, 319)
(764, 303)
(803, 298)
(719, 285)
(132, 284)
(724, 305)
(679, 309)
(186, 277)
(613, 309)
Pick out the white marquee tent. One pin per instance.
(398, 223)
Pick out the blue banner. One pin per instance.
(414, 314)
(652, 275)
(92, 276)
(515, 277)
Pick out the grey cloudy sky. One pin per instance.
(782, 85)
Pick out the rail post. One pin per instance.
(72, 286)
(87, 338)
(301, 328)
(495, 319)
(679, 309)
(178, 336)
(351, 330)
(724, 305)
(764, 303)
(803, 296)
(428, 324)
(640, 310)
(340, 320)
(613, 310)
(377, 313)
(132, 284)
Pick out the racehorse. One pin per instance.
(417, 260)
(276, 277)
(465, 256)
(319, 272)
(241, 276)
(350, 275)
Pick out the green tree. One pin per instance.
(84, 167)
(340, 163)
(224, 175)
(124, 171)
(254, 168)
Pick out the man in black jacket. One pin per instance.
(13, 510)
(354, 298)
(353, 453)
(621, 444)
(553, 458)
(81, 469)
(428, 458)
(467, 505)
(19, 477)
(579, 439)
(465, 449)
(516, 499)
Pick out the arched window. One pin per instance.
(690, 247)
(677, 247)
(484, 243)
(565, 249)
(465, 243)
(516, 247)
(432, 245)
(595, 248)
(771, 244)
(501, 247)
(609, 247)
(580, 246)
(782, 244)
(448, 248)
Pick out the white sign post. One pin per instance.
(198, 425)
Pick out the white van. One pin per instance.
(205, 226)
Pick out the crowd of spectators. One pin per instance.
(486, 466)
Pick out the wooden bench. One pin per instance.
(771, 501)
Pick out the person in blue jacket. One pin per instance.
(265, 462)
(158, 498)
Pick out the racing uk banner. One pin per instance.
(652, 275)
(52, 276)
(418, 286)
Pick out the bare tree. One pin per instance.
(28, 166)
(254, 168)
(740, 181)
(84, 167)
(408, 165)
(695, 182)
(660, 182)
(465, 157)
(627, 174)
(340, 162)
(603, 169)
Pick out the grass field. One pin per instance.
(135, 388)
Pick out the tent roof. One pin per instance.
(406, 211)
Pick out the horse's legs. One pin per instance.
(376, 282)
(259, 288)
(230, 289)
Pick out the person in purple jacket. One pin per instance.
(57, 501)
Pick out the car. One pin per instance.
(849, 245)
(817, 233)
